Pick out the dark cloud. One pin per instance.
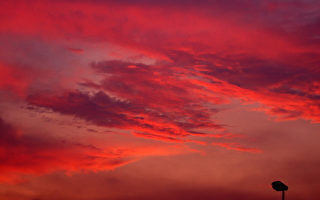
(262, 80)
(139, 97)
(111, 112)
(98, 108)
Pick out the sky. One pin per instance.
(153, 100)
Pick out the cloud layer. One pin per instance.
(95, 85)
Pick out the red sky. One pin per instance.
(140, 100)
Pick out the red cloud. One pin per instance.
(22, 153)
(204, 58)
(237, 147)
(103, 110)
(14, 80)
(76, 50)
(152, 101)
(255, 60)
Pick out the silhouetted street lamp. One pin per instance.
(279, 186)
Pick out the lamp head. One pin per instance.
(279, 186)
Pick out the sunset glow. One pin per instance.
(141, 100)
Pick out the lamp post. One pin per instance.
(279, 186)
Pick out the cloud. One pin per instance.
(76, 50)
(191, 60)
(202, 60)
(128, 114)
(273, 84)
(237, 147)
(276, 85)
(255, 56)
(14, 80)
(27, 154)
(23, 153)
